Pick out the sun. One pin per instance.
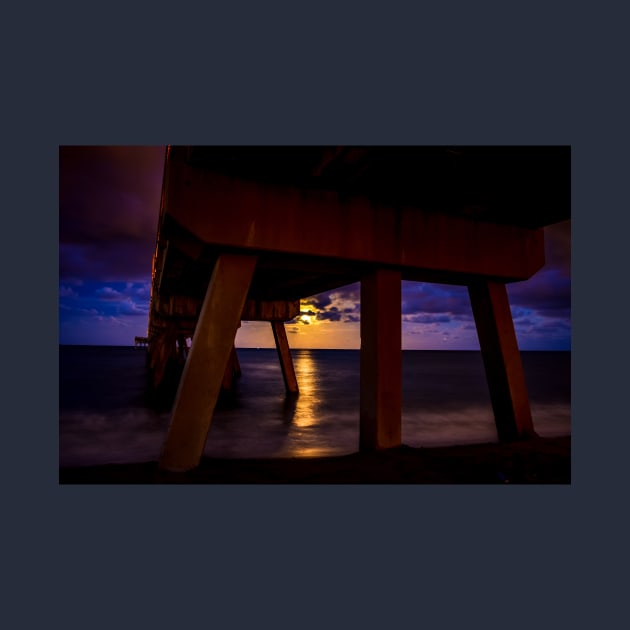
(306, 319)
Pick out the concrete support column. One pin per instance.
(232, 370)
(209, 353)
(181, 344)
(284, 354)
(502, 360)
(236, 366)
(162, 350)
(381, 360)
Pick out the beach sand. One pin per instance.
(533, 461)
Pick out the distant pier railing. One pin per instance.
(141, 342)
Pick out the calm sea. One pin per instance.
(104, 416)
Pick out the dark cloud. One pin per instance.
(427, 319)
(563, 313)
(330, 305)
(108, 211)
(549, 290)
(109, 294)
(349, 293)
(109, 201)
(129, 307)
(319, 302)
(524, 322)
(330, 315)
(422, 298)
(553, 326)
(119, 304)
(66, 291)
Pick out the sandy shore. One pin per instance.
(534, 461)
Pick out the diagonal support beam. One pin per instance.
(284, 354)
(232, 370)
(502, 360)
(209, 353)
(381, 360)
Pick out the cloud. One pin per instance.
(129, 307)
(65, 291)
(548, 291)
(331, 305)
(421, 297)
(109, 294)
(109, 200)
(350, 293)
(108, 211)
(117, 305)
(427, 319)
(319, 302)
(332, 315)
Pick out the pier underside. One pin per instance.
(245, 233)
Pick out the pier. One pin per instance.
(244, 233)
(141, 342)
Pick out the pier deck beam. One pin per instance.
(381, 360)
(284, 354)
(502, 360)
(209, 353)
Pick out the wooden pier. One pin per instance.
(141, 342)
(245, 232)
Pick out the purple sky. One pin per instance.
(109, 200)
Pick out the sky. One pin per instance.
(109, 201)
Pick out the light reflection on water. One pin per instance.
(102, 418)
(309, 398)
(308, 416)
(260, 420)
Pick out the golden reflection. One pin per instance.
(318, 451)
(304, 438)
(307, 401)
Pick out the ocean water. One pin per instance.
(104, 415)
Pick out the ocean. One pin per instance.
(105, 417)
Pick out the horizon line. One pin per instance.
(113, 345)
